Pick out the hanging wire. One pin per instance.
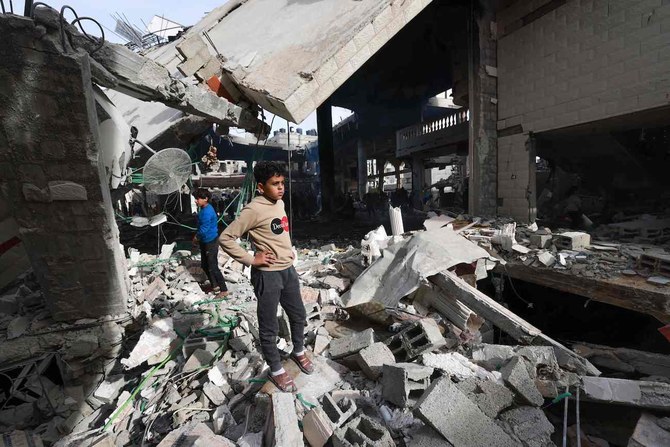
(565, 420)
(579, 430)
(77, 21)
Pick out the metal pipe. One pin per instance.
(28, 10)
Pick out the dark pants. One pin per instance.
(273, 288)
(209, 261)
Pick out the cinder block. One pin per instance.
(338, 412)
(573, 240)
(404, 383)
(363, 431)
(449, 411)
(342, 347)
(422, 336)
(210, 342)
(372, 359)
(540, 240)
(515, 374)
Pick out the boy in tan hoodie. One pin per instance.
(273, 276)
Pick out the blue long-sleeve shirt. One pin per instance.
(207, 224)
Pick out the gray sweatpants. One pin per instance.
(273, 288)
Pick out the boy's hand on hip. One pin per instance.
(263, 259)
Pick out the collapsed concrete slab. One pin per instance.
(326, 40)
(449, 411)
(625, 360)
(406, 263)
(640, 394)
(121, 69)
(509, 322)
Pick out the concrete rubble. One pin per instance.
(184, 365)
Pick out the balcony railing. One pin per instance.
(419, 135)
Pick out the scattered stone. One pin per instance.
(650, 431)
(200, 358)
(530, 425)
(214, 393)
(449, 411)
(372, 359)
(195, 434)
(342, 347)
(17, 327)
(515, 374)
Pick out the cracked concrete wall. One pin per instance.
(483, 91)
(53, 177)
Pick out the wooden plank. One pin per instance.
(633, 293)
(508, 321)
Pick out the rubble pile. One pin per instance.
(415, 365)
(613, 250)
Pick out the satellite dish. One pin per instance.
(166, 171)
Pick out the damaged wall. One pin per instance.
(561, 64)
(581, 62)
(53, 176)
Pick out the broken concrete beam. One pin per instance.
(515, 374)
(494, 357)
(634, 393)
(411, 342)
(650, 431)
(284, 430)
(119, 68)
(344, 346)
(404, 383)
(529, 425)
(490, 396)
(509, 322)
(456, 365)
(449, 411)
(372, 359)
(625, 360)
(363, 431)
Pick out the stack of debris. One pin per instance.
(402, 342)
(615, 252)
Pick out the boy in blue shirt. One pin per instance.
(207, 235)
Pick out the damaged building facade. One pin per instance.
(418, 337)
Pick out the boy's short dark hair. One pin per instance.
(265, 170)
(203, 193)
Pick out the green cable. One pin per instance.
(304, 401)
(140, 387)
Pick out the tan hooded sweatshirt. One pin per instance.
(268, 229)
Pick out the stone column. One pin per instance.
(53, 176)
(482, 96)
(324, 123)
(418, 180)
(380, 172)
(362, 170)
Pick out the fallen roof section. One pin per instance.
(115, 66)
(290, 56)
